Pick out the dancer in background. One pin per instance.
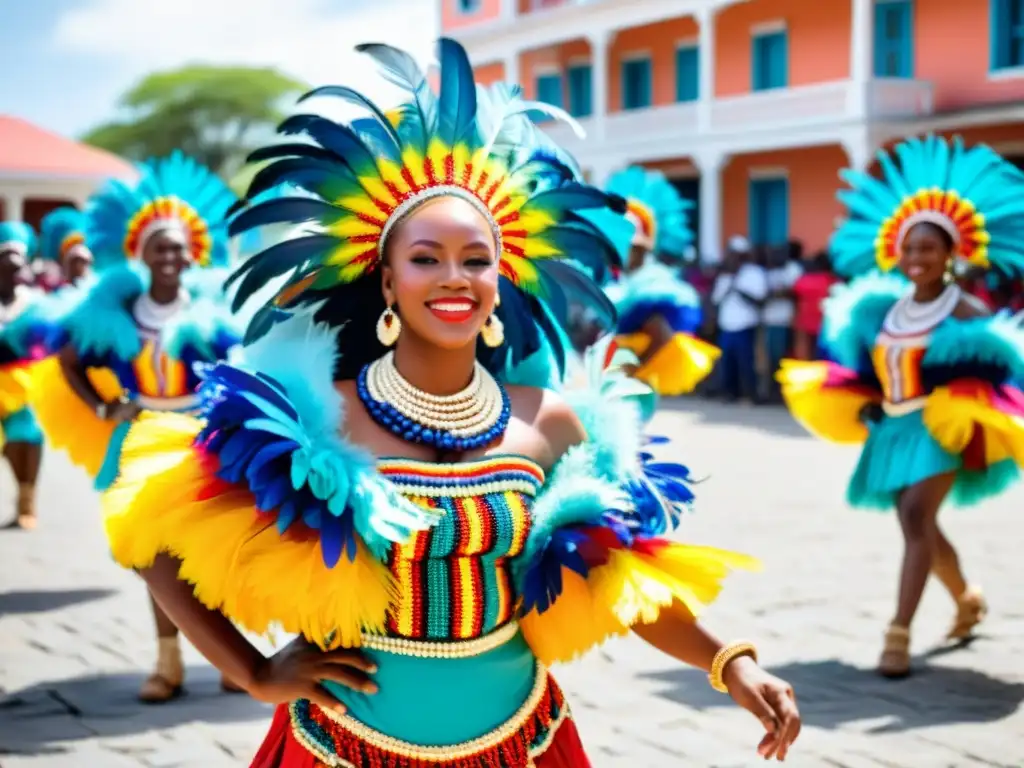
(659, 312)
(385, 471)
(21, 348)
(62, 245)
(926, 376)
(132, 340)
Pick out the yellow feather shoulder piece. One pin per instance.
(168, 500)
(826, 400)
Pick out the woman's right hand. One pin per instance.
(296, 671)
(871, 413)
(121, 411)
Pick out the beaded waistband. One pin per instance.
(441, 649)
(341, 741)
(905, 407)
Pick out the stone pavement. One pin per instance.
(75, 634)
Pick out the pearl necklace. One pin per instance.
(469, 419)
(908, 316)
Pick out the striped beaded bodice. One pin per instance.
(454, 580)
(897, 363)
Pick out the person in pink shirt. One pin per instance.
(809, 291)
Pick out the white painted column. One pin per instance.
(511, 67)
(599, 42)
(711, 165)
(862, 57)
(859, 149)
(14, 207)
(706, 19)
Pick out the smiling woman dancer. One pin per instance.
(926, 382)
(155, 308)
(381, 473)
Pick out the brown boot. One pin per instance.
(895, 660)
(166, 681)
(971, 609)
(26, 506)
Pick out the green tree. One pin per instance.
(215, 114)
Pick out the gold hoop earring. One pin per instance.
(493, 332)
(389, 326)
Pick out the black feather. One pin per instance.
(291, 149)
(573, 285)
(569, 197)
(400, 69)
(275, 261)
(354, 97)
(282, 210)
(339, 139)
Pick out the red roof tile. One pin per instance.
(28, 149)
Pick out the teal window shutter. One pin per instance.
(549, 91)
(1006, 35)
(769, 211)
(637, 84)
(770, 61)
(687, 73)
(894, 38)
(580, 90)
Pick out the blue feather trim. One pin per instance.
(854, 315)
(275, 423)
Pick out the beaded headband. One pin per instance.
(414, 201)
(657, 211)
(940, 220)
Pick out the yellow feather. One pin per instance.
(234, 556)
(678, 367)
(460, 159)
(535, 221)
(15, 382)
(351, 226)
(392, 174)
(539, 248)
(344, 253)
(437, 151)
(526, 273)
(952, 418)
(831, 413)
(376, 189)
(66, 421)
(413, 161)
(479, 165)
(572, 625)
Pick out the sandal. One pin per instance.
(895, 660)
(166, 682)
(26, 519)
(971, 609)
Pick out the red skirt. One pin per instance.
(281, 749)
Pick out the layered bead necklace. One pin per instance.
(465, 421)
(910, 317)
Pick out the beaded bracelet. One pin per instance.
(725, 655)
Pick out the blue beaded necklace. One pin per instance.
(400, 424)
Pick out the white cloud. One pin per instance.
(309, 39)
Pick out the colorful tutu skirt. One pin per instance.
(900, 451)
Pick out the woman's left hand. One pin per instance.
(770, 700)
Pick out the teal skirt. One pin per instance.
(21, 427)
(899, 453)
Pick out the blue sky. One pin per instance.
(73, 58)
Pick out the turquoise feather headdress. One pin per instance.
(18, 235)
(61, 230)
(175, 191)
(656, 210)
(972, 194)
(475, 144)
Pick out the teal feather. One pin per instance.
(672, 230)
(456, 104)
(995, 340)
(300, 355)
(653, 282)
(18, 232)
(854, 313)
(206, 318)
(420, 116)
(57, 225)
(100, 323)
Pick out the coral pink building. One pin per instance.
(753, 106)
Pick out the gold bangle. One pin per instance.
(725, 655)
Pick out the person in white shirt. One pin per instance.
(783, 270)
(739, 294)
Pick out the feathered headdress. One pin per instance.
(173, 192)
(655, 208)
(472, 143)
(17, 235)
(972, 194)
(61, 230)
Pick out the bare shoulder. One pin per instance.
(552, 420)
(970, 307)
